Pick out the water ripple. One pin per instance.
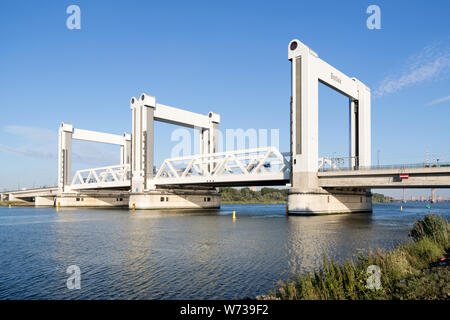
(180, 255)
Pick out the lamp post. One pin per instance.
(378, 157)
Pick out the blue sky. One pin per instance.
(224, 56)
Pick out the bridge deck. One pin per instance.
(424, 177)
(36, 192)
(417, 177)
(274, 179)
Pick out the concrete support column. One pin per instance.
(214, 137)
(364, 125)
(305, 123)
(64, 155)
(213, 141)
(125, 149)
(142, 142)
(204, 147)
(353, 134)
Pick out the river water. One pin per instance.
(182, 255)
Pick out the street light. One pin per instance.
(378, 157)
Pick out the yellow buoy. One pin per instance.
(57, 207)
(234, 215)
(401, 208)
(134, 207)
(10, 206)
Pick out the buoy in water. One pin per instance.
(234, 215)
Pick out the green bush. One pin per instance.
(433, 227)
(423, 251)
(245, 195)
(402, 269)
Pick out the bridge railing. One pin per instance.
(103, 177)
(245, 163)
(335, 167)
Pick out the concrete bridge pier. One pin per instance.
(317, 201)
(44, 201)
(175, 199)
(93, 199)
(307, 198)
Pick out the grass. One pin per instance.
(16, 203)
(409, 271)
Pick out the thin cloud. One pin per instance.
(433, 62)
(31, 133)
(29, 152)
(38, 143)
(440, 100)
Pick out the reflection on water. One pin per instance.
(182, 254)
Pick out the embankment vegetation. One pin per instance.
(417, 269)
(247, 196)
(270, 196)
(381, 198)
(16, 203)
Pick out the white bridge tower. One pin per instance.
(306, 196)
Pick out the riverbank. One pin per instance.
(270, 196)
(16, 204)
(418, 269)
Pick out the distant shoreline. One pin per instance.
(16, 204)
(30, 204)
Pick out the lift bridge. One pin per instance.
(316, 185)
(261, 166)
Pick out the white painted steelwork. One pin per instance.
(145, 110)
(104, 177)
(261, 164)
(67, 133)
(307, 71)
